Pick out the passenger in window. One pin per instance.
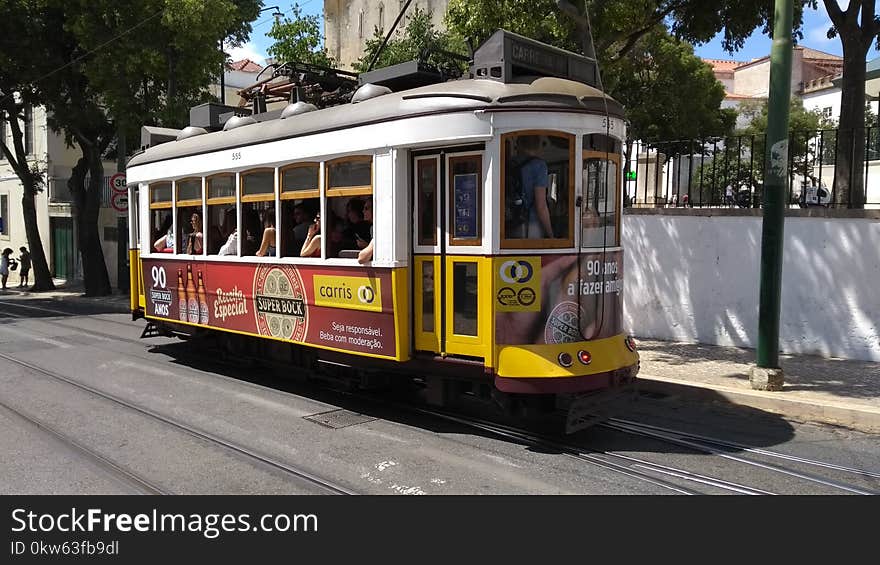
(267, 245)
(534, 180)
(358, 231)
(231, 245)
(312, 245)
(253, 232)
(195, 238)
(303, 218)
(366, 254)
(165, 242)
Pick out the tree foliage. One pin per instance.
(618, 24)
(103, 68)
(420, 40)
(298, 39)
(649, 82)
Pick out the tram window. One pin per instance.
(160, 193)
(599, 213)
(464, 299)
(427, 212)
(300, 181)
(427, 296)
(348, 227)
(220, 222)
(296, 217)
(465, 196)
(190, 231)
(257, 217)
(538, 194)
(258, 213)
(258, 183)
(161, 219)
(349, 186)
(350, 176)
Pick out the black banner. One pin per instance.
(244, 529)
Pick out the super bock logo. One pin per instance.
(280, 306)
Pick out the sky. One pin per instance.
(816, 24)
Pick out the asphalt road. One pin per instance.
(88, 407)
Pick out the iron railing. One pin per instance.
(729, 171)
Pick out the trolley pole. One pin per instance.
(767, 375)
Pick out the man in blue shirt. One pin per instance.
(534, 182)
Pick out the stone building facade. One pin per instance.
(348, 24)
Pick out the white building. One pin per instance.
(48, 151)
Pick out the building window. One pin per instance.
(2, 138)
(29, 130)
(4, 215)
(361, 24)
(826, 112)
(381, 16)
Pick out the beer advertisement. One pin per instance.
(339, 308)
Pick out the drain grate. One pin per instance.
(339, 418)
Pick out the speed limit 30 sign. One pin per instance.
(117, 183)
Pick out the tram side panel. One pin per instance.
(553, 304)
(351, 310)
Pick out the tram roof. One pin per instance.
(544, 93)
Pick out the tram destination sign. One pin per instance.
(514, 55)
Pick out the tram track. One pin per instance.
(722, 448)
(634, 467)
(240, 450)
(136, 483)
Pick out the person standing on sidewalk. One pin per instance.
(6, 263)
(25, 260)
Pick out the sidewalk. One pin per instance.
(116, 302)
(831, 391)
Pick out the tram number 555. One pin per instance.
(159, 278)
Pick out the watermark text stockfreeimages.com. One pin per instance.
(210, 526)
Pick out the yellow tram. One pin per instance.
(469, 230)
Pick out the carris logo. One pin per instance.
(513, 272)
(366, 294)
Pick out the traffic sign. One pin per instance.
(119, 201)
(117, 183)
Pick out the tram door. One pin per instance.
(450, 273)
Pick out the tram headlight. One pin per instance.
(565, 359)
(630, 343)
(585, 357)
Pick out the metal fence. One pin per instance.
(729, 171)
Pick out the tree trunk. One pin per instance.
(849, 185)
(42, 275)
(30, 179)
(88, 205)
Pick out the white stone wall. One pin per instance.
(696, 279)
(348, 24)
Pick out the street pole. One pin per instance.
(767, 375)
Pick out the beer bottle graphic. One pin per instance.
(203, 301)
(181, 298)
(191, 299)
